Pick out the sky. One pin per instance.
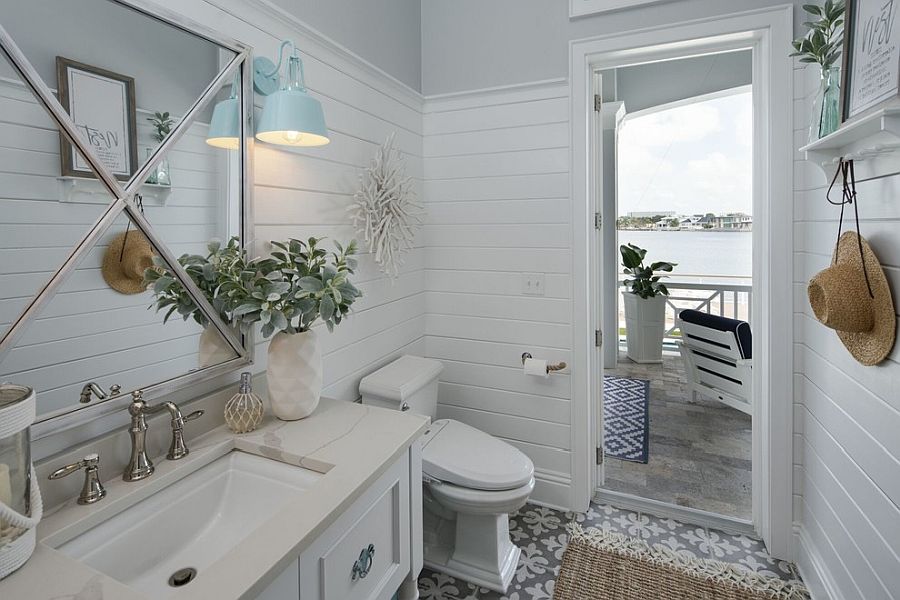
(695, 158)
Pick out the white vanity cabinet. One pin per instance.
(370, 550)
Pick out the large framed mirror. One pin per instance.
(124, 162)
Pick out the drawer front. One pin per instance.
(365, 555)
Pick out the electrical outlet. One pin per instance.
(533, 284)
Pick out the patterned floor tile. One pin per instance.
(541, 534)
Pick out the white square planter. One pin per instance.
(645, 325)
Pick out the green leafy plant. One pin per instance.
(645, 282)
(162, 125)
(293, 288)
(824, 41)
(208, 272)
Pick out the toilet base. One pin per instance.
(485, 556)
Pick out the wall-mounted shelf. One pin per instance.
(872, 141)
(83, 190)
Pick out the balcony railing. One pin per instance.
(726, 299)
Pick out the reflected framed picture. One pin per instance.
(102, 105)
(871, 57)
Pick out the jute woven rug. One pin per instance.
(600, 565)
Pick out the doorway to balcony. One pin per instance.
(762, 32)
(682, 193)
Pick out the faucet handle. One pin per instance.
(92, 490)
(178, 449)
(194, 416)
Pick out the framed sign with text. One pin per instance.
(102, 105)
(871, 61)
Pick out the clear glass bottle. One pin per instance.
(151, 178)
(825, 117)
(244, 411)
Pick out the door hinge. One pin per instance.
(598, 221)
(598, 102)
(599, 456)
(598, 338)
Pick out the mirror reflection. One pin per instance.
(126, 78)
(39, 221)
(103, 327)
(127, 90)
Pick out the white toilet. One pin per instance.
(472, 480)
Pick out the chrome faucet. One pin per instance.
(140, 466)
(91, 389)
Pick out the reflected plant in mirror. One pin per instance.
(221, 264)
(162, 123)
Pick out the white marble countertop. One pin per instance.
(351, 444)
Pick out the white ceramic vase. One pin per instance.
(213, 349)
(294, 375)
(645, 326)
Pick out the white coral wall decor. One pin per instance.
(385, 211)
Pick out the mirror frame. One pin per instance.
(122, 202)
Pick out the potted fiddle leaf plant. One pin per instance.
(645, 304)
(287, 293)
(208, 272)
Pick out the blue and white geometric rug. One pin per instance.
(626, 418)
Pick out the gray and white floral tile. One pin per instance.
(541, 534)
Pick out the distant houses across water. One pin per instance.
(670, 221)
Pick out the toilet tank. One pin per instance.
(408, 383)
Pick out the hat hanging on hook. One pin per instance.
(852, 296)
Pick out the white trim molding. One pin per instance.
(582, 8)
(767, 32)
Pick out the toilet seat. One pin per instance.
(460, 455)
(480, 502)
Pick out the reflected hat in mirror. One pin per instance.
(128, 255)
(854, 299)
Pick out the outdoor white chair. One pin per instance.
(717, 354)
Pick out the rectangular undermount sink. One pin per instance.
(160, 543)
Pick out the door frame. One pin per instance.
(768, 33)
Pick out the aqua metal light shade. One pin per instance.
(291, 117)
(225, 125)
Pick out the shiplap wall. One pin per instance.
(847, 416)
(303, 193)
(87, 327)
(496, 190)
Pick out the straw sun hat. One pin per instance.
(840, 299)
(128, 255)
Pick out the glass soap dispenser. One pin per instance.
(244, 411)
(20, 499)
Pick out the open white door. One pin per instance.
(596, 249)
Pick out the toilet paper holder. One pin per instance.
(550, 368)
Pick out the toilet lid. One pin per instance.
(464, 456)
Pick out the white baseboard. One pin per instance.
(812, 568)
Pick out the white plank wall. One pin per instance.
(496, 189)
(847, 451)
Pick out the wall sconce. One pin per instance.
(225, 125)
(291, 117)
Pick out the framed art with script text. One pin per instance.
(871, 61)
(102, 105)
